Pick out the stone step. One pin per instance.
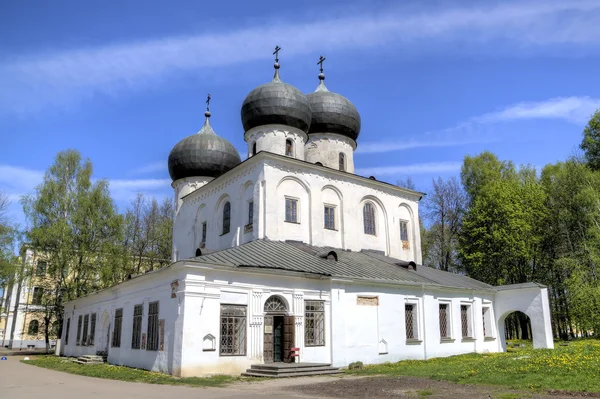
(252, 373)
(288, 366)
(290, 370)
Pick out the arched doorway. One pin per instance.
(279, 332)
(103, 337)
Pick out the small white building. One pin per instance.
(290, 252)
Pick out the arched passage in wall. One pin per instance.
(517, 325)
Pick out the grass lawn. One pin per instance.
(126, 373)
(575, 367)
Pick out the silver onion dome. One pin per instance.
(202, 154)
(276, 103)
(332, 113)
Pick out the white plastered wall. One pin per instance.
(272, 138)
(326, 148)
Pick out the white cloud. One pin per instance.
(576, 110)
(410, 170)
(159, 166)
(516, 27)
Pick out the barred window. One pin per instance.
(226, 217)
(152, 331)
(465, 321)
(67, 332)
(403, 230)
(203, 232)
(34, 327)
(291, 210)
(92, 329)
(330, 217)
(136, 335)
(250, 212)
(369, 218)
(36, 299)
(411, 320)
(233, 330)
(342, 161)
(314, 319)
(444, 320)
(78, 342)
(116, 338)
(86, 321)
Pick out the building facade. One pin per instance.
(290, 252)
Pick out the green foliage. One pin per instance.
(355, 365)
(572, 368)
(591, 142)
(129, 374)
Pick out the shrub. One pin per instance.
(355, 366)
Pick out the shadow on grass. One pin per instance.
(129, 374)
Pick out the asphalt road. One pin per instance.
(22, 381)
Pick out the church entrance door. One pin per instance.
(277, 338)
(279, 332)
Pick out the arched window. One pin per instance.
(289, 148)
(254, 148)
(275, 304)
(342, 162)
(226, 217)
(369, 218)
(34, 326)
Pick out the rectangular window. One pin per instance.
(152, 331)
(250, 213)
(329, 217)
(445, 320)
(314, 319)
(40, 269)
(136, 335)
(86, 321)
(67, 332)
(486, 319)
(78, 342)
(203, 232)
(233, 330)
(291, 210)
(465, 321)
(116, 337)
(92, 329)
(404, 234)
(36, 299)
(411, 321)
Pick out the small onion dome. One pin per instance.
(276, 103)
(332, 113)
(202, 154)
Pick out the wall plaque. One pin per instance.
(367, 300)
(268, 329)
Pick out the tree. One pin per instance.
(477, 171)
(406, 183)
(591, 141)
(444, 209)
(9, 264)
(75, 226)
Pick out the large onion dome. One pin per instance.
(202, 154)
(276, 103)
(332, 113)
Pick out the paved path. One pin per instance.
(22, 381)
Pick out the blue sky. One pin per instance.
(124, 81)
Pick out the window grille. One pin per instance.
(92, 329)
(34, 327)
(152, 331)
(404, 230)
(86, 321)
(233, 330)
(342, 161)
(116, 338)
(36, 299)
(203, 232)
(226, 217)
(136, 335)
(369, 218)
(250, 212)
(483, 310)
(78, 342)
(291, 210)
(275, 304)
(329, 217)
(444, 317)
(410, 319)
(67, 332)
(465, 320)
(289, 148)
(314, 319)
(41, 268)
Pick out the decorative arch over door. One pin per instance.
(275, 304)
(279, 331)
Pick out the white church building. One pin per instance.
(289, 256)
